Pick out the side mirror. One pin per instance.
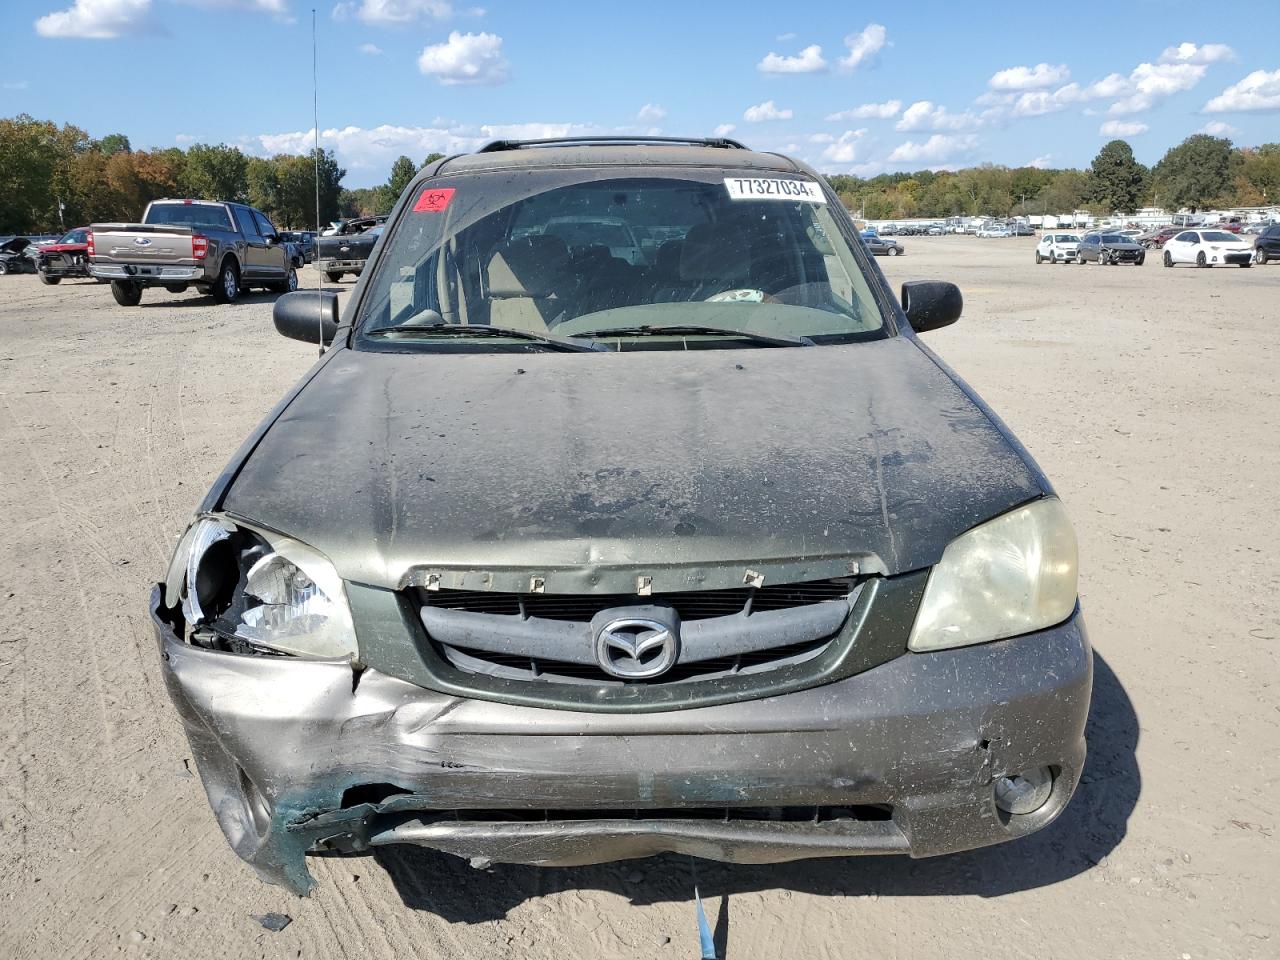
(307, 316)
(929, 304)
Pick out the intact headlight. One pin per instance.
(1011, 575)
(246, 589)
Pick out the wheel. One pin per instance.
(1168, 259)
(51, 281)
(176, 287)
(1039, 259)
(227, 287)
(1260, 257)
(1200, 260)
(287, 285)
(1142, 258)
(333, 277)
(4, 267)
(126, 292)
(893, 252)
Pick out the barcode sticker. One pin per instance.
(755, 188)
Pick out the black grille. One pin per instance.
(691, 604)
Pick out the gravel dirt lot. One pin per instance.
(1148, 395)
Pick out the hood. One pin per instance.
(591, 468)
(15, 245)
(1121, 245)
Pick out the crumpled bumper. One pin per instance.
(302, 755)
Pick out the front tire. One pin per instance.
(1141, 259)
(1260, 257)
(287, 285)
(126, 292)
(4, 268)
(893, 252)
(227, 287)
(1168, 259)
(50, 281)
(1039, 259)
(1200, 260)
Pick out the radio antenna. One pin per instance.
(315, 122)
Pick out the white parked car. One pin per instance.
(995, 231)
(1208, 248)
(1058, 248)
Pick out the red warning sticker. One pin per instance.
(433, 200)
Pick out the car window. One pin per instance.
(264, 225)
(211, 216)
(770, 254)
(248, 226)
(1187, 237)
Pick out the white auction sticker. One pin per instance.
(755, 188)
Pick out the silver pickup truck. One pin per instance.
(220, 248)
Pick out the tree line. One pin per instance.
(1202, 172)
(57, 177)
(54, 177)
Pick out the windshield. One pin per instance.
(1066, 238)
(584, 253)
(1217, 236)
(1114, 238)
(208, 215)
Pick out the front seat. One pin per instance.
(523, 280)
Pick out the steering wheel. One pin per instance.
(742, 295)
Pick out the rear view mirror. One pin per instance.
(930, 304)
(307, 316)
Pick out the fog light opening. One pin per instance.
(1024, 792)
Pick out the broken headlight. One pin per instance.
(252, 591)
(1011, 575)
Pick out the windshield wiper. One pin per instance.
(676, 329)
(484, 330)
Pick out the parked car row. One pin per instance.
(1204, 248)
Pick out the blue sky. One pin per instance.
(851, 87)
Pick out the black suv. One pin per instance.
(557, 557)
(1267, 245)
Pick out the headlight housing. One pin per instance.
(253, 591)
(1009, 576)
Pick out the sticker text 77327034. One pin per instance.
(757, 188)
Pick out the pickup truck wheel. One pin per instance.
(332, 277)
(127, 293)
(51, 281)
(227, 287)
(287, 285)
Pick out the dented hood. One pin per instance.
(589, 469)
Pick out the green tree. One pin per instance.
(1116, 180)
(431, 158)
(1257, 179)
(262, 180)
(402, 174)
(216, 172)
(1194, 174)
(114, 143)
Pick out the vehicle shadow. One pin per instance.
(1089, 829)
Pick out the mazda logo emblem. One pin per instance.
(634, 648)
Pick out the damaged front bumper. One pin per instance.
(300, 755)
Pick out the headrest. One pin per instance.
(714, 252)
(667, 260)
(526, 267)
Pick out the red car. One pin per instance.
(1156, 239)
(69, 257)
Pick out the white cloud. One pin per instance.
(1029, 78)
(1259, 91)
(1190, 53)
(1151, 82)
(1112, 85)
(724, 129)
(821, 138)
(809, 60)
(185, 139)
(277, 8)
(925, 115)
(845, 148)
(372, 49)
(389, 13)
(1216, 128)
(863, 46)
(1044, 162)
(938, 149)
(651, 113)
(784, 37)
(97, 19)
(1122, 128)
(466, 58)
(869, 111)
(1036, 103)
(766, 111)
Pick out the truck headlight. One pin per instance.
(249, 590)
(1011, 575)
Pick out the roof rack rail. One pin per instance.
(722, 143)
